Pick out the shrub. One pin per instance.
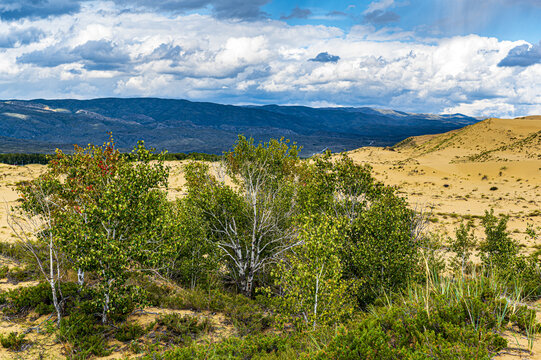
(181, 329)
(195, 262)
(38, 298)
(13, 341)
(498, 249)
(462, 245)
(247, 315)
(445, 319)
(18, 275)
(4, 270)
(85, 336)
(381, 251)
(250, 347)
(312, 291)
(128, 332)
(19, 253)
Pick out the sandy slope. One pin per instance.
(493, 164)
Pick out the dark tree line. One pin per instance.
(26, 159)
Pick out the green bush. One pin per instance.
(18, 275)
(312, 290)
(85, 335)
(380, 246)
(38, 298)
(13, 341)
(4, 270)
(498, 249)
(380, 252)
(181, 329)
(195, 262)
(44, 309)
(441, 329)
(16, 251)
(251, 347)
(462, 245)
(128, 332)
(247, 315)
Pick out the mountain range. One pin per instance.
(184, 126)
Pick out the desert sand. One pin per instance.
(458, 175)
(454, 177)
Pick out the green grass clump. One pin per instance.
(179, 329)
(13, 341)
(247, 315)
(128, 332)
(85, 336)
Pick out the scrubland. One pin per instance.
(426, 250)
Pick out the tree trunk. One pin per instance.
(56, 303)
(80, 277)
(247, 282)
(52, 282)
(106, 303)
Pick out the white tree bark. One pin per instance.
(28, 229)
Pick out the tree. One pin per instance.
(381, 241)
(108, 213)
(32, 224)
(310, 279)
(195, 261)
(251, 220)
(381, 251)
(337, 185)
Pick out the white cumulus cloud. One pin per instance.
(104, 51)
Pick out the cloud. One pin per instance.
(101, 55)
(522, 55)
(297, 13)
(165, 52)
(19, 37)
(484, 106)
(326, 57)
(49, 57)
(380, 5)
(336, 13)
(380, 17)
(106, 51)
(94, 55)
(224, 9)
(19, 9)
(376, 13)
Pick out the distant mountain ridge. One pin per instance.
(184, 126)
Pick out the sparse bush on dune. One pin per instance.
(463, 246)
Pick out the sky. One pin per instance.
(475, 57)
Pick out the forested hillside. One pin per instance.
(184, 126)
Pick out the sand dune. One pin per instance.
(458, 175)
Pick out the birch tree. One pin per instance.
(108, 211)
(32, 224)
(312, 290)
(251, 220)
